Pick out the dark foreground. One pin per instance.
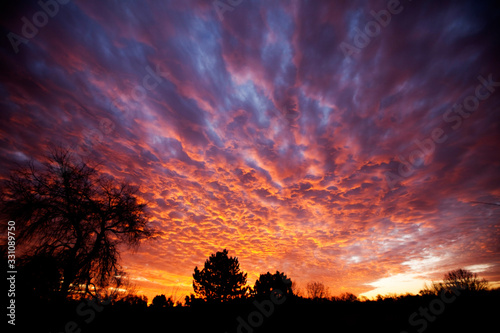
(466, 313)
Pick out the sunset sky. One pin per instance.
(324, 139)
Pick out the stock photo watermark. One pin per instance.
(11, 272)
(222, 6)
(150, 82)
(436, 307)
(86, 309)
(456, 115)
(266, 308)
(372, 29)
(40, 19)
(93, 137)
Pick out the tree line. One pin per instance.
(71, 219)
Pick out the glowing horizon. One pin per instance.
(252, 130)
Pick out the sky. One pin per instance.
(355, 143)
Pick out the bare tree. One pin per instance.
(459, 279)
(296, 290)
(464, 280)
(347, 297)
(68, 211)
(317, 290)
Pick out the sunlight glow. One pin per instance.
(398, 284)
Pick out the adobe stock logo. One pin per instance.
(30, 29)
(423, 154)
(422, 318)
(372, 28)
(223, 6)
(265, 308)
(93, 137)
(138, 94)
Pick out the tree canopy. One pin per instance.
(460, 279)
(160, 301)
(464, 280)
(69, 211)
(268, 282)
(220, 279)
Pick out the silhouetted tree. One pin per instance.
(220, 279)
(268, 282)
(460, 279)
(133, 302)
(160, 301)
(316, 290)
(429, 290)
(191, 300)
(464, 280)
(347, 297)
(69, 211)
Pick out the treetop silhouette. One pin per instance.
(268, 282)
(465, 280)
(160, 301)
(317, 290)
(461, 279)
(220, 279)
(71, 212)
